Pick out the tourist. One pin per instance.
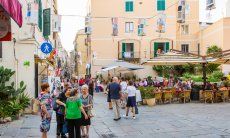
(60, 112)
(123, 85)
(114, 90)
(87, 102)
(145, 83)
(131, 103)
(208, 86)
(74, 109)
(108, 96)
(91, 87)
(98, 85)
(45, 102)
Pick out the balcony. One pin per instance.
(129, 56)
(181, 16)
(168, 54)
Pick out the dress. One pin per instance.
(45, 99)
(86, 101)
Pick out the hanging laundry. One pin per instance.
(141, 27)
(161, 24)
(115, 26)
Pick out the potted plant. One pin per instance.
(143, 91)
(150, 98)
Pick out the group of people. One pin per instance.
(121, 92)
(73, 104)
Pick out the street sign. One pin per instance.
(46, 48)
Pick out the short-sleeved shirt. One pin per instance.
(63, 99)
(86, 101)
(73, 110)
(46, 99)
(123, 86)
(114, 90)
(131, 90)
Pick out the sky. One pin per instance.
(71, 24)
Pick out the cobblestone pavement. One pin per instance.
(192, 120)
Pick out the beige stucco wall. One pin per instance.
(106, 47)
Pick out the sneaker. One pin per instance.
(134, 117)
(125, 116)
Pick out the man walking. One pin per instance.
(114, 89)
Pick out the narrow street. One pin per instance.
(194, 120)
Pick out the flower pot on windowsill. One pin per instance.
(151, 102)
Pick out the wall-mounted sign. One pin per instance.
(5, 26)
(32, 13)
(46, 48)
(56, 23)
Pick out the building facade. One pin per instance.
(22, 54)
(138, 29)
(82, 50)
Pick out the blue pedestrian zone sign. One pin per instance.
(46, 48)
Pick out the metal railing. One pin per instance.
(129, 55)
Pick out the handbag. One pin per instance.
(90, 112)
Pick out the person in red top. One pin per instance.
(81, 82)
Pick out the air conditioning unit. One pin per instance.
(210, 4)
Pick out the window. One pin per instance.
(141, 30)
(210, 4)
(0, 49)
(129, 6)
(184, 29)
(129, 27)
(160, 5)
(185, 48)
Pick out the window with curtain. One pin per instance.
(129, 27)
(129, 6)
(160, 5)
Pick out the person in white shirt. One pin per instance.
(131, 103)
(123, 85)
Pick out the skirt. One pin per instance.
(131, 101)
(85, 122)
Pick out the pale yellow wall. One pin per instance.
(106, 46)
(81, 47)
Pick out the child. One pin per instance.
(131, 91)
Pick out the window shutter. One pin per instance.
(40, 10)
(131, 5)
(160, 5)
(127, 6)
(46, 22)
(132, 47)
(167, 47)
(155, 49)
(123, 49)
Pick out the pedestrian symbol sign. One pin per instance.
(46, 48)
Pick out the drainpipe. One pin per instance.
(16, 65)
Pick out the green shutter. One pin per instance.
(155, 49)
(46, 22)
(132, 47)
(160, 5)
(167, 47)
(131, 6)
(123, 49)
(126, 6)
(40, 10)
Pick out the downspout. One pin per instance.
(16, 65)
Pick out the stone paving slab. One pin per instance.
(192, 120)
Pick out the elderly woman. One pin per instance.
(87, 102)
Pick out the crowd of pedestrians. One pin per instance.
(73, 105)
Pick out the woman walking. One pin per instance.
(45, 101)
(131, 103)
(87, 101)
(74, 109)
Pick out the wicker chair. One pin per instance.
(225, 95)
(175, 95)
(158, 97)
(168, 95)
(208, 96)
(185, 96)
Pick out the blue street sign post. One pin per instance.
(46, 48)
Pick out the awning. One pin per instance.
(173, 61)
(220, 61)
(123, 64)
(14, 9)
